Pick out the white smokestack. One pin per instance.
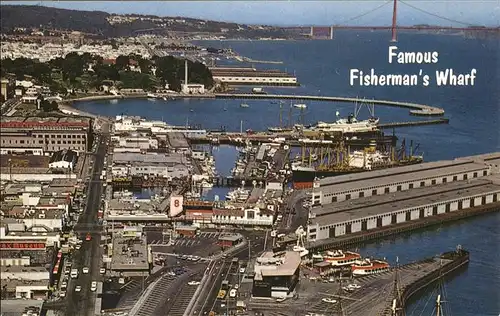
(186, 72)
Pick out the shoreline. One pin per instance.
(415, 108)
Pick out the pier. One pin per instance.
(414, 123)
(375, 296)
(415, 109)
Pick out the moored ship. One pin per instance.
(338, 258)
(348, 125)
(303, 176)
(369, 267)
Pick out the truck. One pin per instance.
(74, 273)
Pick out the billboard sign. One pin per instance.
(176, 205)
(22, 245)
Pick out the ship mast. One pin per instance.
(397, 310)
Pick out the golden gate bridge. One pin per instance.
(327, 32)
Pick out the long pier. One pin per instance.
(415, 108)
(414, 123)
(374, 297)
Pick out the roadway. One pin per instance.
(83, 303)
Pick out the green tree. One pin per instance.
(122, 62)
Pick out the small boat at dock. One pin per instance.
(369, 267)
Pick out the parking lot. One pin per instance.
(203, 245)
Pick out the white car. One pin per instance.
(78, 246)
(78, 288)
(329, 300)
(193, 283)
(93, 286)
(354, 286)
(102, 271)
(85, 270)
(242, 270)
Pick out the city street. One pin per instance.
(83, 302)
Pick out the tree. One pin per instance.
(122, 62)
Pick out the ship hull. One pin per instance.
(304, 179)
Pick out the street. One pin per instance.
(83, 302)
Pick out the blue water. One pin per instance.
(323, 67)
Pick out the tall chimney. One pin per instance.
(186, 72)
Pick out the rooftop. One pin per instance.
(271, 264)
(35, 121)
(396, 175)
(349, 210)
(24, 161)
(131, 158)
(129, 253)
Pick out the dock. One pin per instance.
(376, 294)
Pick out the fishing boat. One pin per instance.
(244, 105)
(300, 106)
(369, 267)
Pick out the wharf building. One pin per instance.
(130, 255)
(276, 274)
(368, 213)
(23, 259)
(43, 135)
(252, 76)
(170, 165)
(386, 181)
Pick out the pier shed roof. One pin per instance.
(389, 203)
(386, 179)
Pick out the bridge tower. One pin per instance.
(331, 32)
(312, 32)
(394, 21)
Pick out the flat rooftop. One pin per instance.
(384, 177)
(177, 140)
(265, 265)
(129, 253)
(131, 158)
(24, 161)
(43, 122)
(406, 172)
(381, 204)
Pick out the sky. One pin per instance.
(334, 12)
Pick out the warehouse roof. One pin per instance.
(395, 175)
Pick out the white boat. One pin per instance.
(244, 105)
(348, 125)
(152, 95)
(300, 106)
(206, 185)
(338, 258)
(368, 267)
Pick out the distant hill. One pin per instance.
(112, 25)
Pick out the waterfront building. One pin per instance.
(368, 213)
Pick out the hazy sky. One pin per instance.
(477, 12)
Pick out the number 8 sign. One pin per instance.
(177, 203)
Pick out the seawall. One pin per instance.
(453, 260)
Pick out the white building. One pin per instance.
(364, 214)
(250, 217)
(63, 160)
(193, 88)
